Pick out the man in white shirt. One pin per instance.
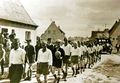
(67, 48)
(44, 61)
(17, 59)
(74, 58)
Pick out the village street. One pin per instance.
(85, 77)
(79, 37)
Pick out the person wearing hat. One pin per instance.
(30, 58)
(44, 62)
(16, 61)
(2, 58)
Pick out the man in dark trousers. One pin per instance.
(17, 59)
(30, 57)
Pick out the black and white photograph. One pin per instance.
(59, 41)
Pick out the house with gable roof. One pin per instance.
(114, 33)
(14, 17)
(54, 32)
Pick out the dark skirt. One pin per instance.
(42, 68)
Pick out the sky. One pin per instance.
(75, 17)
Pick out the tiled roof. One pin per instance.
(114, 27)
(55, 26)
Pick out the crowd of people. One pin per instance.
(51, 57)
(60, 56)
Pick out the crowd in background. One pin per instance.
(51, 56)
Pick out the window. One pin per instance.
(27, 35)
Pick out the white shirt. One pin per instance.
(85, 48)
(67, 49)
(45, 56)
(94, 48)
(17, 56)
(81, 49)
(89, 50)
(75, 51)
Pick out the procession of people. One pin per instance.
(50, 56)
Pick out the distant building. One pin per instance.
(54, 32)
(13, 17)
(115, 33)
(80, 39)
(100, 34)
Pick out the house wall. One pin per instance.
(20, 33)
(54, 33)
(115, 35)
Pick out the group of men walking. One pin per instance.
(57, 57)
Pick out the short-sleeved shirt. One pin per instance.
(17, 56)
(45, 56)
(67, 49)
(75, 51)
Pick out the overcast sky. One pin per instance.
(75, 17)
